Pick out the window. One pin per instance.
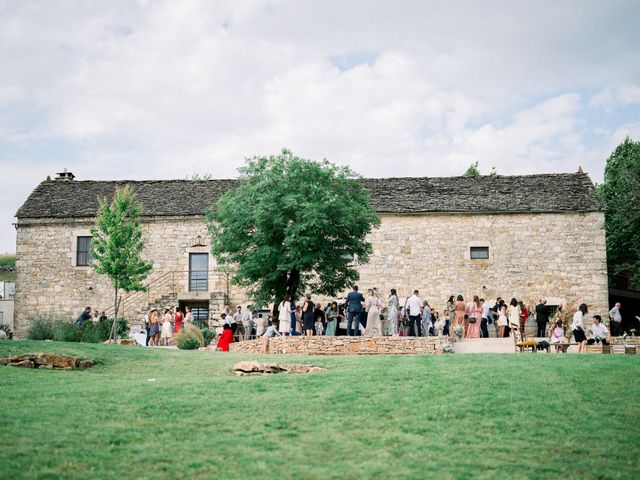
(479, 253)
(198, 272)
(83, 252)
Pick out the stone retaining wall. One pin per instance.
(344, 345)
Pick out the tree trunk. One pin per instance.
(293, 282)
(280, 294)
(112, 334)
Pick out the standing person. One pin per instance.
(374, 326)
(514, 313)
(447, 323)
(426, 319)
(166, 331)
(155, 328)
(320, 318)
(459, 310)
(354, 309)
(524, 315)
(284, 316)
(298, 321)
(542, 318)
(475, 316)
(147, 326)
(616, 320)
(271, 331)
(391, 326)
(486, 314)
(503, 322)
(577, 327)
(308, 315)
(178, 318)
(237, 319)
(413, 305)
(247, 323)
(332, 319)
(260, 324)
(188, 317)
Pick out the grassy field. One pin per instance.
(445, 416)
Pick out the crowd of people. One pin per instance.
(370, 316)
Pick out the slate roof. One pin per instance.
(565, 192)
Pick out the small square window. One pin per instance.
(83, 252)
(479, 253)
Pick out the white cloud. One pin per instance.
(164, 89)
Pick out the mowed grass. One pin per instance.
(445, 416)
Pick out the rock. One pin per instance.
(128, 341)
(86, 363)
(56, 361)
(251, 368)
(23, 364)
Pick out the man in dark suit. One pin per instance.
(542, 318)
(354, 310)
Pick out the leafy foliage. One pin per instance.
(292, 224)
(208, 336)
(472, 171)
(6, 328)
(117, 243)
(620, 194)
(197, 176)
(62, 329)
(190, 338)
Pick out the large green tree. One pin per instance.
(620, 194)
(291, 225)
(117, 244)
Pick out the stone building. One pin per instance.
(525, 236)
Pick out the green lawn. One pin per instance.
(445, 416)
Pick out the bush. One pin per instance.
(40, 327)
(208, 335)
(188, 343)
(62, 329)
(6, 329)
(189, 338)
(65, 331)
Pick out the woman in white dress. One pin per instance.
(391, 325)
(284, 317)
(502, 318)
(374, 325)
(514, 313)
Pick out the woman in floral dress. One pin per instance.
(391, 325)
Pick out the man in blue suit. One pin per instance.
(354, 309)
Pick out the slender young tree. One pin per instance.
(117, 244)
(292, 224)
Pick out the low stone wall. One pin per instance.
(344, 345)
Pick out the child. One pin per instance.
(166, 333)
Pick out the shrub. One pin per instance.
(65, 331)
(189, 338)
(6, 329)
(208, 335)
(62, 329)
(40, 327)
(188, 343)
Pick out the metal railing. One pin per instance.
(169, 283)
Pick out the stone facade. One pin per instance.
(559, 255)
(344, 345)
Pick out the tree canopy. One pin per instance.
(620, 194)
(117, 243)
(292, 224)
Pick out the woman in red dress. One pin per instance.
(226, 338)
(178, 318)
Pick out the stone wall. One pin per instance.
(344, 345)
(530, 256)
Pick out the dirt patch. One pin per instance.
(256, 368)
(47, 361)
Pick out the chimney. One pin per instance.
(66, 176)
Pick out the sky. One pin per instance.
(164, 89)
